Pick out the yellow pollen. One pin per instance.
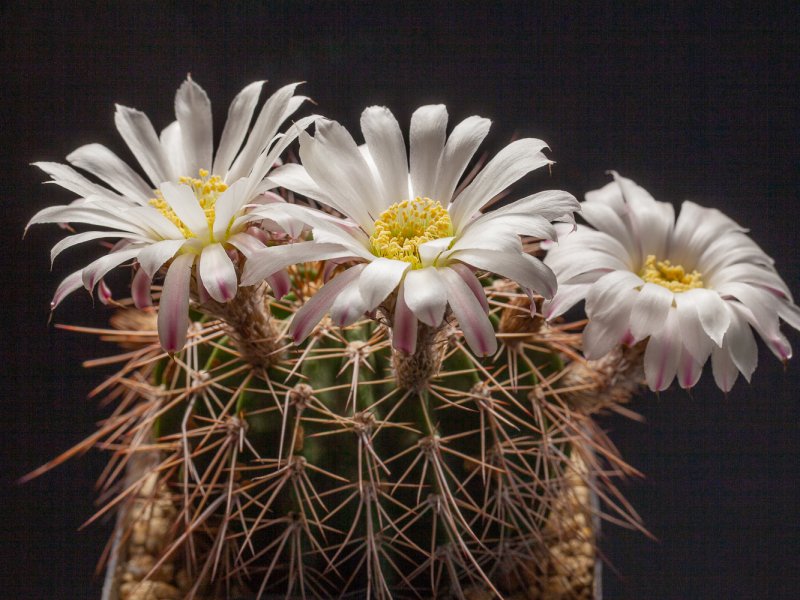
(672, 277)
(206, 189)
(404, 226)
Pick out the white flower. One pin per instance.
(191, 211)
(408, 228)
(694, 286)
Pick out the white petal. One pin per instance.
(264, 130)
(193, 111)
(388, 150)
(606, 220)
(109, 167)
(526, 270)
(315, 307)
(474, 323)
(182, 200)
(604, 293)
(740, 343)
(458, 151)
(650, 311)
(404, 326)
(89, 214)
(246, 244)
(265, 262)
(553, 205)
(474, 284)
(153, 256)
(280, 283)
(86, 236)
(349, 306)
(295, 177)
(334, 162)
(608, 330)
(217, 273)
(765, 277)
(662, 354)
(425, 295)
(725, 371)
(567, 296)
(695, 229)
(70, 283)
(429, 252)
(137, 131)
(173, 309)
(229, 203)
(689, 369)
(70, 179)
(693, 335)
(379, 279)
(510, 164)
(714, 315)
(240, 113)
(140, 289)
(172, 142)
(427, 137)
(790, 313)
(94, 271)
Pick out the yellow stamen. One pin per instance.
(404, 226)
(672, 277)
(206, 189)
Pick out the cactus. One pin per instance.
(344, 466)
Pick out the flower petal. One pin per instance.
(264, 263)
(263, 132)
(94, 271)
(140, 289)
(153, 256)
(427, 137)
(379, 279)
(458, 151)
(70, 283)
(240, 113)
(315, 307)
(725, 371)
(336, 165)
(229, 203)
(526, 270)
(404, 326)
(689, 369)
(510, 164)
(172, 142)
(650, 311)
(662, 354)
(182, 200)
(217, 273)
(425, 295)
(567, 296)
(740, 342)
(109, 167)
(137, 131)
(280, 283)
(474, 284)
(348, 307)
(693, 335)
(388, 150)
(474, 323)
(193, 111)
(173, 309)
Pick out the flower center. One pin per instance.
(672, 277)
(404, 226)
(206, 189)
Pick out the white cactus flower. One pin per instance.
(692, 286)
(190, 212)
(408, 228)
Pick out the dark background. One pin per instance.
(697, 103)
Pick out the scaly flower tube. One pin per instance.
(415, 239)
(190, 214)
(693, 287)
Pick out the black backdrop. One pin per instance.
(697, 103)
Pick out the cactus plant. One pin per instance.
(342, 465)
